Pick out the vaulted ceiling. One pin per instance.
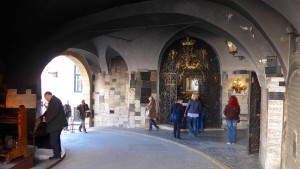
(31, 27)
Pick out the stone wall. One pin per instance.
(272, 105)
(291, 133)
(142, 86)
(291, 146)
(110, 96)
(118, 102)
(242, 98)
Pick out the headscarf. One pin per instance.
(233, 101)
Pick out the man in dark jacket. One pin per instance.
(55, 118)
(83, 109)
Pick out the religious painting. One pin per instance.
(192, 84)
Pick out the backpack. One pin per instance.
(176, 113)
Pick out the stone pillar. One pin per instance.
(276, 89)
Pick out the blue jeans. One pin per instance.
(231, 131)
(176, 129)
(201, 122)
(152, 122)
(192, 125)
(82, 125)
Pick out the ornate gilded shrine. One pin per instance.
(189, 66)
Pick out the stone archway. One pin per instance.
(69, 80)
(189, 61)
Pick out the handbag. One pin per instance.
(87, 113)
(147, 113)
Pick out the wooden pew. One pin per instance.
(20, 120)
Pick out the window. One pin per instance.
(77, 80)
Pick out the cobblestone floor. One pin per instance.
(211, 142)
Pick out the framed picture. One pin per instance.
(192, 84)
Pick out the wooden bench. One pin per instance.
(15, 125)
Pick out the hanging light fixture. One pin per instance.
(232, 49)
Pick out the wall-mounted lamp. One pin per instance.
(233, 50)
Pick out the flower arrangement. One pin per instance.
(238, 87)
(243, 87)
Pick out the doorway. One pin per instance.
(66, 78)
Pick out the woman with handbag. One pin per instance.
(151, 113)
(232, 112)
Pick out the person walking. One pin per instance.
(232, 112)
(83, 109)
(177, 113)
(68, 112)
(151, 107)
(56, 120)
(192, 112)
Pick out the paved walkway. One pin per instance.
(138, 148)
(213, 143)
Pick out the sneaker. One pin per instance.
(228, 143)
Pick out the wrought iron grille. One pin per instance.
(188, 58)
